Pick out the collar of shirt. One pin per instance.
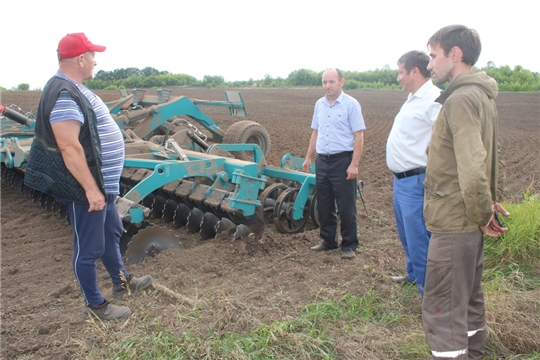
(338, 100)
(422, 90)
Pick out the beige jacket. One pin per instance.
(461, 172)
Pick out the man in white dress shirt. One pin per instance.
(406, 157)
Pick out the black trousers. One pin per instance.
(333, 189)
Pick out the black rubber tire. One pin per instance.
(248, 132)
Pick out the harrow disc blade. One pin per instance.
(243, 231)
(124, 241)
(254, 222)
(43, 201)
(223, 225)
(181, 215)
(149, 242)
(156, 211)
(27, 192)
(194, 221)
(18, 182)
(148, 201)
(36, 196)
(63, 213)
(208, 226)
(313, 211)
(49, 204)
(169, 210)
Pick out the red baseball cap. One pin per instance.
(76, 44)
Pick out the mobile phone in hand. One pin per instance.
(499, 219)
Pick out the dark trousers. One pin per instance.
(453, 311)
(333, 189)
(96, 235)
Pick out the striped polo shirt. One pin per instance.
(112, 141)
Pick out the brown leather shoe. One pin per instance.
(320, 247)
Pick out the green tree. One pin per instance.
(149, 71)
(304, 77)
(213, 81)
(23, 87)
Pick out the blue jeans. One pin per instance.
(411, 227)
(96, 235)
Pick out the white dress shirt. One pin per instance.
(410, 135)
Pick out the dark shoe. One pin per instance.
(348, 255)
(134, 283)
(107, 311)
(401, 279)
(320, 247)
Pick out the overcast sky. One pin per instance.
(240, 39)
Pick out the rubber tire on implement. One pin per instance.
(248, 132)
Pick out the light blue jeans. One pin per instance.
(411, 227)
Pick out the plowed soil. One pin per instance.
(239, 284)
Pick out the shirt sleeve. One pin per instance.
(315, 119)
(66, 109)
(431, 113)
(355, 116)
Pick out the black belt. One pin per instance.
(334, 156)
(412, 172)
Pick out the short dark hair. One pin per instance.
(461, 36)
(413, 59)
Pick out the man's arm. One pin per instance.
(470, 153)
(306, 166)
(352, 170)
(66, 134)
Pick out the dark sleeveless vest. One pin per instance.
(45, 169)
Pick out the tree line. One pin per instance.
(508, 79)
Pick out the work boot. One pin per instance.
(134, 283)
(348, 255)
(107, 311)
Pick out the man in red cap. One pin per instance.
(77, 156)
(76, 44)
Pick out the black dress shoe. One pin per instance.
(320, 247)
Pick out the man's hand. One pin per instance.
(306, 166)
(96, 200)
(493, 228)
(352, 172)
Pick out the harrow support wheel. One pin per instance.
(268, 200)
(283, 213)
(248, 132)
(313, 210)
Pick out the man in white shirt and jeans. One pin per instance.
(406, 157)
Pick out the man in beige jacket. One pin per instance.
(460, 196)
